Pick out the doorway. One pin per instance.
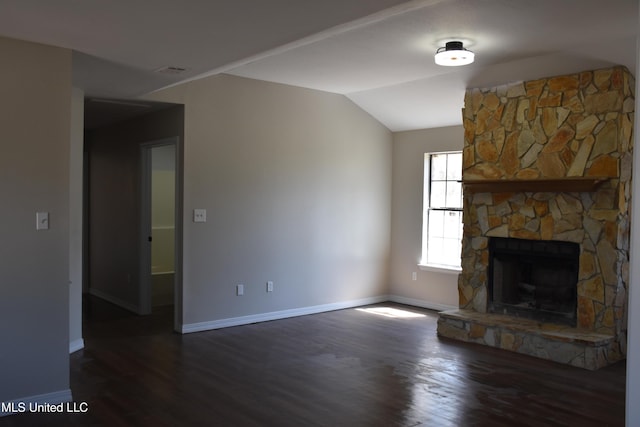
(158, 232)
(118, 212)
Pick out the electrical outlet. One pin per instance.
(414, 276)
(269, 286)
(240, 289)
(199, 215)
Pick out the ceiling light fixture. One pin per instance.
(453, 54)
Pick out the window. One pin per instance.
(442, 211)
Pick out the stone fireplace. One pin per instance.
(545, 249)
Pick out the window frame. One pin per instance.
(428, 180)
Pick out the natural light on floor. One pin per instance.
(390, 312)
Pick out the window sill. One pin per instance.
(440, 268)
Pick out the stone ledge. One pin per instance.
(578, 347)
(538, 185)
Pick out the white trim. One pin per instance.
(114, 300)
(276, 315)
(163, 227)
(76, 345)
(421, 303)
(440, 268)
(53, 398)
(144, 242)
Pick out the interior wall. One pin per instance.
(297, 187)
(437, 290)
(114, 202)
(35, 83)
(76, 159)
(633, 331)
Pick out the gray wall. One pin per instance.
(297, 187)
(114, 202)
(76, 160)
(35, 83)
(431, 289)
(633, 332)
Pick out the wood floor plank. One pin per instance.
(343, 368)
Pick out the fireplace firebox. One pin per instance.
(536, 279)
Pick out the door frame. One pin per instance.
(145, 303)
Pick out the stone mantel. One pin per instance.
(569, 185)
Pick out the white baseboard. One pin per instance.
(275, 315)
(421, 303)
(114, 300)
(54, 398)
(76, 345)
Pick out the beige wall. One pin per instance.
(431, 289)
(296, 184)
(35, 83)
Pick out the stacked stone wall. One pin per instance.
(578, 125)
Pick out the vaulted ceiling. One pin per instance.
(379, 53)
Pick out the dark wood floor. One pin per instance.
(343, 368)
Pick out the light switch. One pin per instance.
(42, 220)
(199, 215)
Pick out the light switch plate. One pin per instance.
(42, 220)
(199, 215)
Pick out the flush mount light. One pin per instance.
(453, 54)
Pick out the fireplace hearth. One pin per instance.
(535, 279)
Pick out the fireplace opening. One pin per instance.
(536, 279)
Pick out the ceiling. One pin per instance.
(379, 53)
